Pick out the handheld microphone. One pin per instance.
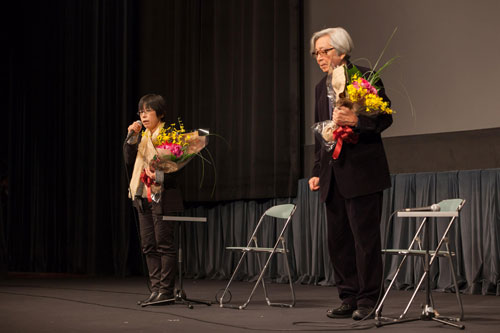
(129, 135)
(431, 208)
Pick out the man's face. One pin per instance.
(326, 55)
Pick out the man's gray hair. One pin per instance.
(339, 38)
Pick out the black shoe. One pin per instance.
(343, 311)
(151, 297)
(364, 312)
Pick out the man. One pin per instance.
(351, 186)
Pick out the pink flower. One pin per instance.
(371, 89)
(175, 149)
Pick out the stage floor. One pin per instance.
(77, 304)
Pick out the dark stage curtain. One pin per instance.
(474, 236)
(69, 75)
(232, 67)
(75, 72)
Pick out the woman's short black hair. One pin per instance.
(155, 102)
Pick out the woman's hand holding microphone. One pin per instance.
(133, 130)
(135, 127)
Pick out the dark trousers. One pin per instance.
(157, 242)
(354, 246)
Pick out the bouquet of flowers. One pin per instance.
(174, 149)
(350, 88)
(362, 94)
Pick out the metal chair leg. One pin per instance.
(378, 310)
(261, 277)
(457, 290)
(278, 212)
(260, 270)
(221, 304)
(290, 283)
(449, 208)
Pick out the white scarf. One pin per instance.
(145, 153)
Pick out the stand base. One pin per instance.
(179, 298)
(425, 316)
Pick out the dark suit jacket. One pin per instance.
(171, 197)
(361, 168)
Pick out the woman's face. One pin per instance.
(149, 118)
(326, 55)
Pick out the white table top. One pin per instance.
(428, 214)
(185, 218)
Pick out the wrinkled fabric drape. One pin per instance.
(70, 83)
(474, 236)
(75, 72)
(232, 67)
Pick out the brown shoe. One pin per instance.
(163, 299)
(151, 297)
(343, 311)
(364, 312)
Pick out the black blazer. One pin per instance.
(171, 197)
(361, 168)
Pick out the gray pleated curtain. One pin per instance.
(474, 236)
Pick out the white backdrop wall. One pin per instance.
(448, 49)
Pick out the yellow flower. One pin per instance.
(370, 101)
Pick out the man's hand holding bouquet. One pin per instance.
(356, 91)
(360, 95)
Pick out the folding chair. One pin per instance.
(447, 208)
(276, 212)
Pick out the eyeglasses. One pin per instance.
(141, 112)
(322, 52)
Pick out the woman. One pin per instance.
(157, 236)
